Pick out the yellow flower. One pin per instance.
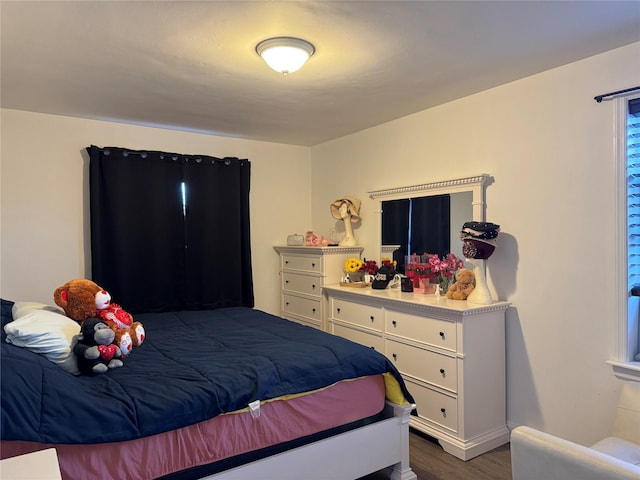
(352, 265)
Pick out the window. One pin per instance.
(627, 361)
(633, 217)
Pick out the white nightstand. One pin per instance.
(41, 465)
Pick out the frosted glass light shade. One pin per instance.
(285, 54)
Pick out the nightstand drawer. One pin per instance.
(357, 313)
(439, 333)
(306, 263)
(424, 365)
(434, 406)
(367, 339)
(297, 282)
(301, 306)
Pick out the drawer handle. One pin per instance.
(313, 310)
(286, 303)
(444, 411)
(287, 282)
(313, 287)
(372, 318)
(286, 262)
(313, 265)
(394, 323)
(442, 372)
(395, 356)
(338, 309)
(442, 335)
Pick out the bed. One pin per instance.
(227, 393)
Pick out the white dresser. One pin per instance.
(450, 353)
(303, 273)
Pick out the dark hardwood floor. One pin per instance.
(430, 462)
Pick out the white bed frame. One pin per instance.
(346, 456)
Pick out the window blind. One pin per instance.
(633, 192)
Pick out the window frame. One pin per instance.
(626, 331)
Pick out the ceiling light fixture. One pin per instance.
(285, 54)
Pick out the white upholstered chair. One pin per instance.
(536, 455)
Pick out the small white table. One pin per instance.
(41, 465)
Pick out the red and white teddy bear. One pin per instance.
(129, 334)
(82, 299)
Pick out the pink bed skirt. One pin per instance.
(218, 438)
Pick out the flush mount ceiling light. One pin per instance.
(285, 54)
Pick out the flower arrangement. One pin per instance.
(446, 268)
(370, 267)
(419, 266)
(352, 268)
(356, 269)
(352, 264)
(438, 270)
(389, 262)
(448, 265)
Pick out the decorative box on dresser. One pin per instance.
(451, 354)
(303, 273)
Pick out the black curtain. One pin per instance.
(431, 224)
(395, 228)
(420, 224)
(154, 253)
(395, 222)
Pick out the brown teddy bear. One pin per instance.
(465, 283)
(81, 299)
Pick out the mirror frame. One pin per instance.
(476, 185)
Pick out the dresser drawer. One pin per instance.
(297, 282)
(367, 339)
(301, 306)
(439, 333)
(424, 365)
(306, 263)
(434, 406)
(357, 313)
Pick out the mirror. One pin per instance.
(438, 210)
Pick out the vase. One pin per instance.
(445, 283)
(425, 286)
(356, 277)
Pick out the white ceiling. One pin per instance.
(193, 66)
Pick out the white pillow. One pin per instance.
(45, 330)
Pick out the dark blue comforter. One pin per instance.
(192, 366)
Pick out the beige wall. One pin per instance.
(549, 146)
(44, 199)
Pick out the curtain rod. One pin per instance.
(173, 156)
(598, 98)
